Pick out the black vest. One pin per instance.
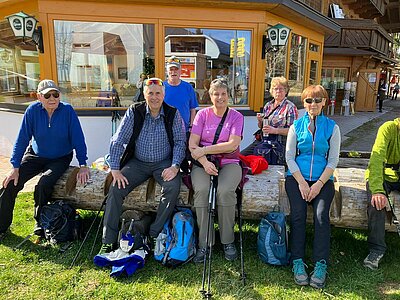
(139, 110)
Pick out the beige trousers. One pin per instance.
(229, 177)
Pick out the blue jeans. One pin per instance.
(298, 216)
(376, 220)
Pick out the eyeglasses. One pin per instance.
(48, 95)
(278, 89)
(311, 100)
(173, 59)
(154, 81)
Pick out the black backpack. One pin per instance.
(60, 222)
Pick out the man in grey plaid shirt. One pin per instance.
(156, 150)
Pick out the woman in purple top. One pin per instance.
(229, 173)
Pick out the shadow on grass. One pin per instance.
(347, 278)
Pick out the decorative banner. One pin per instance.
(240, 46)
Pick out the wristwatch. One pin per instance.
(177, 166)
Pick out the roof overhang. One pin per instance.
(290, 9)
(347, 52)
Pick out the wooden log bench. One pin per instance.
(262, 193)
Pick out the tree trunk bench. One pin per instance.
(262, 193)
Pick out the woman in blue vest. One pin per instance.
(312, 154)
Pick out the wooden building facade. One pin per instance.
(95, 48)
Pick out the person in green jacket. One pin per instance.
(382, 178)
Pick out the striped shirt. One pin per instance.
(283, 116)
(152, 144)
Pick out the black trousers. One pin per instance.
(298, 216)
(32, 165)
(376, 220)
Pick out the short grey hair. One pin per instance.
(218, 84)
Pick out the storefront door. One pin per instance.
(367, 90)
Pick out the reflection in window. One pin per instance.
(297, 67)
(313, 47)
(313, 72)
(275, 66)
(340, 78)
(207, 54)
(19, 67)
(100, 63)
(334, 74)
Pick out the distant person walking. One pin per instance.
(395, 91)
(382, 93)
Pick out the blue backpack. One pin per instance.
(176, 243)
(272, 150)
(272, 239)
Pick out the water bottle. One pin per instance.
(265, 123)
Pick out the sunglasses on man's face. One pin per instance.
(149, 82)
(48, 95)
(173, 59)
(311, 100)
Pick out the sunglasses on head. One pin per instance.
(149, 82)
(311, 100)
(219, 81)
(173, 59)
(54, 94)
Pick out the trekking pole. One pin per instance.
(95, 237)
(122, 229)
(239, 206)
(210, 224)
(87, 234)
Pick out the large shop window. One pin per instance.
(297, 67)
(275, 66)
(207, 54)
(19, 67)
(100, 64)
(334, 74)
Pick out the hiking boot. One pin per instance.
(318, 276)
(105, 248)
(200, 254)
(230, 251)
(38, 230)
(372, 260)
(300, 274)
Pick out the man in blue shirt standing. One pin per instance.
(52, 131)
(155, 137)
(179, 93)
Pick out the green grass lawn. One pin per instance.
(39, 272)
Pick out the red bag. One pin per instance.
(257, 164)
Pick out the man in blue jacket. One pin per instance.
(49, 132)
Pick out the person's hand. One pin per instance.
(315, 189)
(169, 173)
(83, 175)
(119, 179)
(269, 130)
(13, 175)
(198, 152)
(260, 117)
(210, 168)
(304, 190)
(379, 201)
